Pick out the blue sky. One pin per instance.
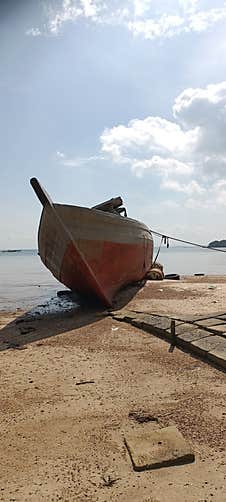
(127, 98)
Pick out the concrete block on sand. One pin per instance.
(155, 449)
(122, 315)
(218, 356)
(208, 344)
(210, 323)
(192, 335)
(219, 329)
(156, 323)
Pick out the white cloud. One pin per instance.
(190, 188)
(152, 144)
(168, 25)
(141, 7)
(188, 6)
(34, 32)
(77, 161)
(214, 197)
(165, 26)
(71, 11)
(205, 109)
(188, 154)
(202, 20)
(60, 155)
(148, 18)
(153, 135)
(219, 192)
(162, 166)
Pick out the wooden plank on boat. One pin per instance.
(109, 205)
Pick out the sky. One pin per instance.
(103, 98)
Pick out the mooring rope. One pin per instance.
(157, 254)
(166, 239)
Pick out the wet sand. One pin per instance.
(63, 441)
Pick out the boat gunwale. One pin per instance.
(104, 214)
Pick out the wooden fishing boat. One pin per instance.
(93, 251)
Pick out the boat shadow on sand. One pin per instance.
(64, 313)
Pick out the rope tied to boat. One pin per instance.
(157, 254)
(166, 238)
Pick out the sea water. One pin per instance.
(192, 260)
(25, 282)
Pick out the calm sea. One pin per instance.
(25, 282)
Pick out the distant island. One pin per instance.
(217, 244)
(11, 250)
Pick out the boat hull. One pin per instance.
(92, 252)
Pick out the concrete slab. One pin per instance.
(181, 326)
(193, 335)
(207, 344)
(193, 318)
(154, 321)
(154, 325)
(202, 339)
(122, 315)
(207, 323)
(185, 328)
(160, 448)
(220, 328)
(218, 356)
(144, 321)
(118, 316)
(221, 316)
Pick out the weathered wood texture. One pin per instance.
(92, 252)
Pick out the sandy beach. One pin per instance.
(63, 439)
(113, 251)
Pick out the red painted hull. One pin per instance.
(117, 264)
(91, 251)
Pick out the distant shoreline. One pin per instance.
(17, 250)
(217, 244)
(11, 250)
